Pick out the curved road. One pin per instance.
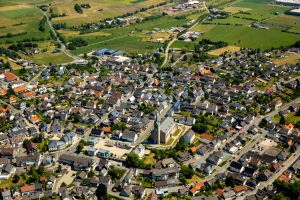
(175, 39)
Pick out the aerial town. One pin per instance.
(217, 121)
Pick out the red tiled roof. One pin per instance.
(3, 92)
(29, 94)
(27, 188)
(19, 89)
(9, 76)
(196, 187)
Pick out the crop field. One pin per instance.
(234, 10)
(220, 51)
(99, 10)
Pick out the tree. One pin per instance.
(282, 120)
(200, 127)
(181, 145)
(182, 179)
(78, 9)
(59, 168)
(85, 56)
(101, 192)
(63, 184)
(293, 148)
(41, 169)
(26, 142)
(91, 174)
(16, 178)
(187, 172)
(229, 181)
(114, 173)
(133, 160)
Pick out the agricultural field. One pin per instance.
(251, 37)
(19, 22)
(129, 37)
(99, 10)
(283, 30)
(234, 10)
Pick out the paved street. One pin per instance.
(235, 157)
(283, 168)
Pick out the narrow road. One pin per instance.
(63, 47)
(175, 39)
(37, 75)
(283, 168)
(235, 157)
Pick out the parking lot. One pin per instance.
(119, 149)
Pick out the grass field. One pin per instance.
(150, 159)
(20, 18)
(203, 27)
(236, 31)
(284, 22)
(46, 58)
(220, 51)
(129, 38)
(232, 20)
(194, 179)
(245, 37)
(179, 44)
(251, 37)
(290, 118)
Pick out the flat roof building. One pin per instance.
(288, 2)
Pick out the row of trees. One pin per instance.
(8, 53)
(22, 46)
(42, 24)
(77, 42)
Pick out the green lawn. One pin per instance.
(46, 58)
(8, 183)
(180, 44)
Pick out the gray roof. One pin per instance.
(167, 124)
